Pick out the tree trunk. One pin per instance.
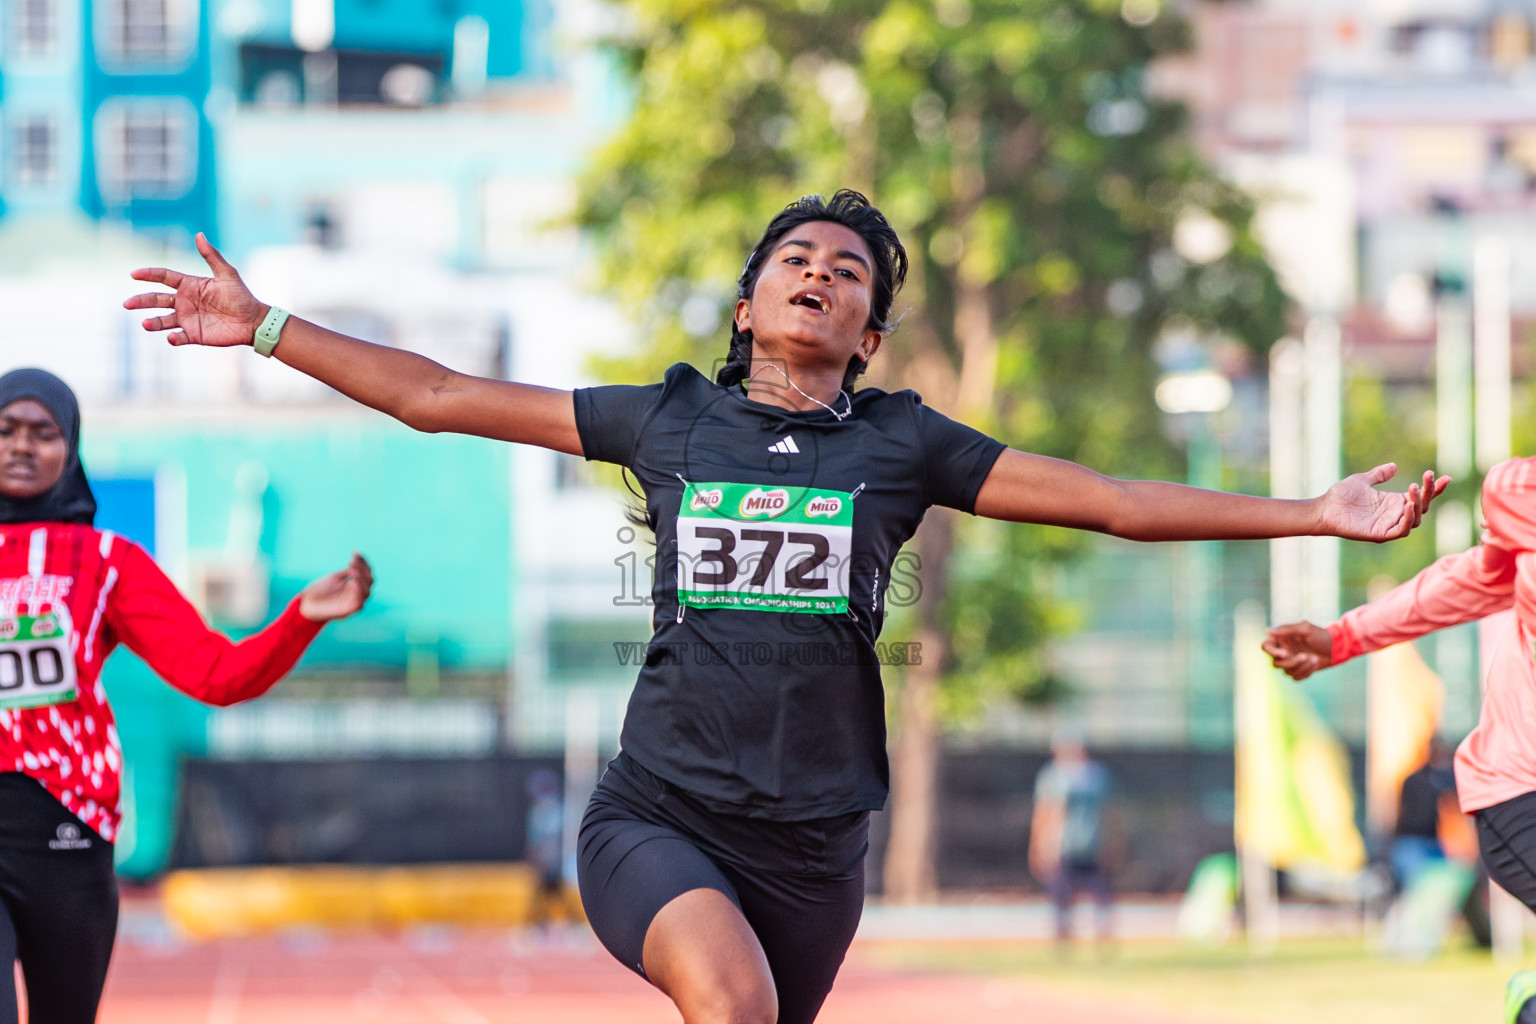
(967, 390)
(910, 875)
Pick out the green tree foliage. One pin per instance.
(1013, 146)
(1383, 424)
(1037, 186)
(1396, 423)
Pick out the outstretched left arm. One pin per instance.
(1029, 488)
(156, 622)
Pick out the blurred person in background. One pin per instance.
(1495, 766)
(69, 594)
(1068, 839)
(1420, 807)
(722, 855)
(545, 846)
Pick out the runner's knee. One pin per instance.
(721, 993)
(733, 1004)
(701, 952)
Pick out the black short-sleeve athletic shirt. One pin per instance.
(775, 537)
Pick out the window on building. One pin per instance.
(154, 152)
(147, 149)
(594, 649)
(34, 27)
(145, 31)
(272, 75)
(36, 143)
(573, 472)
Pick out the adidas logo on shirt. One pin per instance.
(785, 446)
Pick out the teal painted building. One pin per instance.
(335, 149)
(296, 496)
(429, 512)
(280, 52)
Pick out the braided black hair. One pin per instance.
(853, 211)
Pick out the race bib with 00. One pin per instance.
(37, 667)
(775, 549)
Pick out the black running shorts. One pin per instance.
(58, 906)
(1506, 835)
(800, 884)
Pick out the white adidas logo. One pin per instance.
(785, 446)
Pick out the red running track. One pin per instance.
(450, 977)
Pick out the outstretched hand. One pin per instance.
(338, 595)
(1355, 510)
(1299, 648)
(219, 311)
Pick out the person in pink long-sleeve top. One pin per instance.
(1496, 763)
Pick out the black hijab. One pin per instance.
(70, 500)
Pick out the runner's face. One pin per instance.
(32, 450)
(811, 302)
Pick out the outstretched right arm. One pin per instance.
(1456, 589)
(220, 311)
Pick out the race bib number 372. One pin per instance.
(37, 666)
(773, 549)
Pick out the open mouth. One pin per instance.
(811, 300)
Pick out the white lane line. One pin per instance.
(444, 1002)
(224, 1003)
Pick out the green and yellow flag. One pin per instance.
(1403, 707)
(1295, 805)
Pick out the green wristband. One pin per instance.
(270, 330)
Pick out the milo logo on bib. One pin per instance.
(705, 501)
(825, 505)
(758, 502)
(773, 549)
(37, 662)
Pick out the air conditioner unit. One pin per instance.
(236, 593)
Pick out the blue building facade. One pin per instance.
(112, 109)
(389, 167)
(103, 110)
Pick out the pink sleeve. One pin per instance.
(1456, 589)
(1509, 505)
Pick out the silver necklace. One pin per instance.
(840, 415)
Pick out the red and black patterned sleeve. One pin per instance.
(156, 622)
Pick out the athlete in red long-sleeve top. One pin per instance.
(69, 594)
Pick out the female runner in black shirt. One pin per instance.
(722, 854)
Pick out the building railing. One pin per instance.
(337, 729)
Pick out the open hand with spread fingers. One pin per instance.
(1355, 510)
(219, 311)
(338, 595)
(1299, 648)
